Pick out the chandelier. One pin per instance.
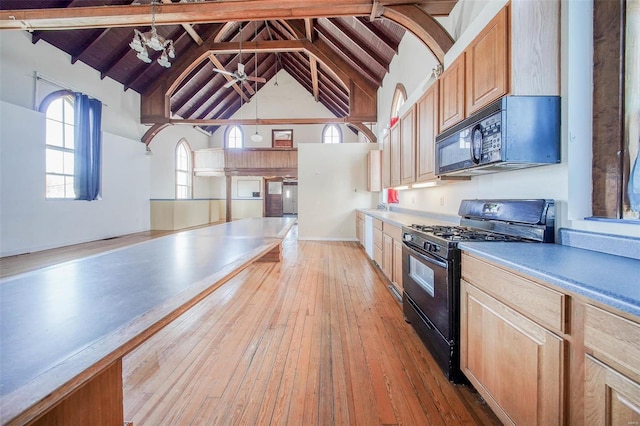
(152, 40)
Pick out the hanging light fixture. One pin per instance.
(151, 39)
(256, 137)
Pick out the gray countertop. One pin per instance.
(605, 278)
(59, 321)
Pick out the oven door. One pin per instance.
(427, 281)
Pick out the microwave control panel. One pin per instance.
(491, 139)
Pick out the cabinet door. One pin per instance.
(452, 94)
(408, 147)
(386, 161)
(397, 265)
(395, 155)
(515, 364)
(610, 398)
(374, 165)
(387, 256)
(427, 129)
(486, 64)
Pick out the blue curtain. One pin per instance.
(88, 141)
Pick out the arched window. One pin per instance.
(183, 170)
(399, 98)
(59, 139)
(235, 137)
(331, 134)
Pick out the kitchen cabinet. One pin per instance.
(486, 65)
(386, 161)
(374, 169)
(377, 241)
(427, 129)
(408, 147)
(612, 368)
(517, 53)
(395, 159)
(452, 94)
(360, 227)
(392, 265)
(507, 348)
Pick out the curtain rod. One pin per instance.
(39, 76)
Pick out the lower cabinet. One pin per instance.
(377, 241)
(611, 398)
(514, 363)
(397, 265)
(392, 265)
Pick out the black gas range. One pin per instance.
(431, 266)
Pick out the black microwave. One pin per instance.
(511, 133)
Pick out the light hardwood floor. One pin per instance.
(315, 339)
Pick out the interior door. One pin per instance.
(273, 197)
(290, 202)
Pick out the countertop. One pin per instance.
(404, 219)
(605, 278)
(58, 322)
(609, 279)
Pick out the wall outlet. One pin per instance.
(442, 200)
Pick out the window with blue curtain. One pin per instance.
(73, 145)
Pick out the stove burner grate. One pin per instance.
(462, 233)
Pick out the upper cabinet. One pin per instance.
(452, 94)
(517, 53)
(427, 129)
(486, 64)
(394, 142)
(408, 147)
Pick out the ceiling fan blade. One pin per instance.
(230, 83)
(223, 72)
(249, 88)
(257, 79)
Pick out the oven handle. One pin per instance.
(425, 257)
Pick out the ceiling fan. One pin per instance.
(239, 76)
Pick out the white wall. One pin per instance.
(332, 183)
(286, 100)
(29, 222)
(569, 183)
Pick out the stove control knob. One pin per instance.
(408, 237)
(428, 246)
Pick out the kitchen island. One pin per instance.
(64, 329)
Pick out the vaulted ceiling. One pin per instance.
(338, 50)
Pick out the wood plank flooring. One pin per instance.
(315, 339)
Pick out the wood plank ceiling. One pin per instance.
(367, 44)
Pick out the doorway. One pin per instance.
(290, 200)
(273, 205)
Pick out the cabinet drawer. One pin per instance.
(612, 338)
(377, 237)
(542, 304)
(393, 231)
(377, 223)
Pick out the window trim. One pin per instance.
(228, 132)
(327, 127)
(44, 106)
(183, 143)
(399, 91)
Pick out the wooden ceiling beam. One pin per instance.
(378, 33)
(360, 42)
(423, 26)
(259, 121)
(91, 41)
(361, 69)
(313, 63)
(221, 11)
(189, 29)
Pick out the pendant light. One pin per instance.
(256, 137)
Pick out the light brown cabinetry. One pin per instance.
(408, 147)
(377, 241)
(394, 142)
(386, 161)
(427, 128)
(374, 168)
(612, 368)
(513, 362)
(360, 227)
(392, 254)
(486, 64)
(452, 94)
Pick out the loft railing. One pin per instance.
(246, 162)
